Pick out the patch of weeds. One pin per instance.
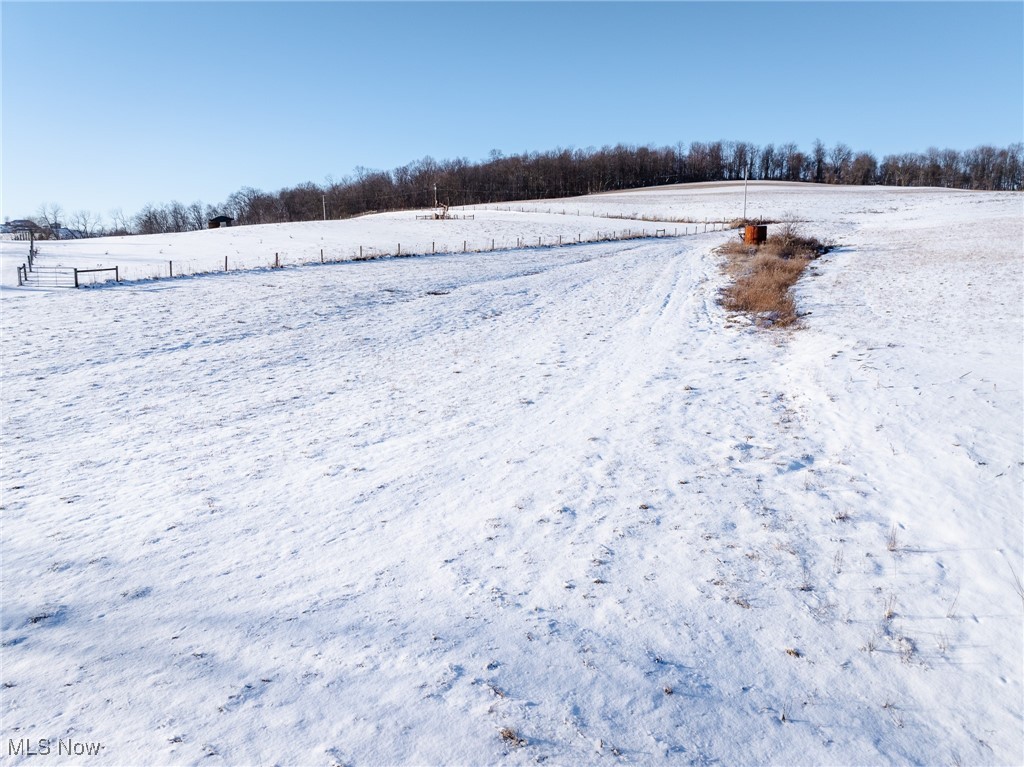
(872, 644)
(837, 562)
(511, 737)
(763, 275)
(889, 609)
(892, 541)
(951, 610)
(51, 617)
(905, 647)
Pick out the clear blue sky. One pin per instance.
(110, 105)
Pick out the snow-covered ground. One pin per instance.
(377, 512)
(256, 247)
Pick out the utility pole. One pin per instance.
(744, 193)
(435, 195)
(323, 199)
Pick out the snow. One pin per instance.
(256, 247)
(376, 512)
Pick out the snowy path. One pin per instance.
(373, 513)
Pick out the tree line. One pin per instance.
(572, 172)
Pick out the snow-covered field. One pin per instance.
(377, 512)
(258, 247)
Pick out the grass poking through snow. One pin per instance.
(764, 274)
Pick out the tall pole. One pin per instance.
(435, 195)
(744, 193)
(323, 199)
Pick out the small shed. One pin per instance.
(219, 221)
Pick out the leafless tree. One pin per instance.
(119, 222)
(197, 218)
(50, 215)
(818, 161)
(839, 158)
(86, 222)
(863, 169)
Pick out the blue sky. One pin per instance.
(115, 105)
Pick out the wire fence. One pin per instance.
(64, 276)
(584, 213)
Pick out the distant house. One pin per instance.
(22, 229)
(219, 221)
(23, 225)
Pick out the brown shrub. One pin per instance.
(763, 275)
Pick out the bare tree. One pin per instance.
(196, 217)
(50, 215)
(818, 161)
(839, 158)
(119, 222)
(151, 220)
(85, 222)
(863, 169)
(795, 160)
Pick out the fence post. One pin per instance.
(360, 251)
(225, 263)
(432, 244)
(170, 267)
(321, 255)
(76, 277)
(492, 243)
(19, 276)
(399, 248)
(277, 260)
(463, 246)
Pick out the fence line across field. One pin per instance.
(48, 276)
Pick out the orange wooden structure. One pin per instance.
(755, 234)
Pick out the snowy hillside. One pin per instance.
(404, 232)
(549, 504)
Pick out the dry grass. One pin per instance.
(763, 275)
(511, 737)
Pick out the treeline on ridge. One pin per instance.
(571, 172)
